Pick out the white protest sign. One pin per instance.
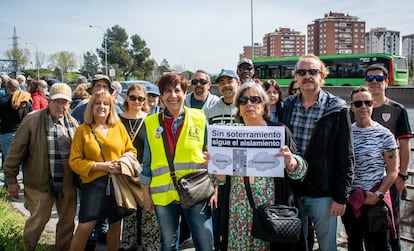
(246, 150)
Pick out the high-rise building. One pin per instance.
(283, 43)
(408, 48)
(336, 33)
(247, 51)
(382, 40)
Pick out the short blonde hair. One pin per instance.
(81, 91)
(112, 118)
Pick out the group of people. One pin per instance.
(339, 160)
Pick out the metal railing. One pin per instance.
(406, 225)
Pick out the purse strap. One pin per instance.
(167, 151)
(97, 140)
(139, 127)
(108, 183)
(249, 192)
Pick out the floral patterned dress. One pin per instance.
(143, 230)
(241, 213)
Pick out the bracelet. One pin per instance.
(403, 176)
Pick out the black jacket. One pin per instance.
(330, 153)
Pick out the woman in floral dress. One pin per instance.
(251, 102)
(141, 228)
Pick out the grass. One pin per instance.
(11, 227)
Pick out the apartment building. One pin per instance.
(336, 33)
(382, 40)
(283, 43)
(247, 51)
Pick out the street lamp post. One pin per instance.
(251, 20)
(106, 46)
(37, 59)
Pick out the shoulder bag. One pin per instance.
(274, 223)
(193, 188)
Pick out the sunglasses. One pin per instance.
(134, 98)
(245, 67)
(371, 78)
(312, 72)
(253, 100)
(358, 104)
(201, 81)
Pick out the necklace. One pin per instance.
(132, 128)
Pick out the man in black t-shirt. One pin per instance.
(393, 116)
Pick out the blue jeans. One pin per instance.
(317, 209)
(5, 142)
(198, 219)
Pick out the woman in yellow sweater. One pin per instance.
(95, 150)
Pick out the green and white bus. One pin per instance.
(344, 69)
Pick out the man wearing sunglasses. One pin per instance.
(245, 71)
(393, 116)
(223, 113)
(201, 97)
(321, 126)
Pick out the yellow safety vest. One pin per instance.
(188, 154)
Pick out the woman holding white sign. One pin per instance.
(251, 102)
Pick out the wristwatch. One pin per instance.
(379, 194)
(403, 176)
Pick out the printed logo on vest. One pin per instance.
(194, 133)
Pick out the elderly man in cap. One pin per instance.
(99, 82)
(42, 144)
(245, 71)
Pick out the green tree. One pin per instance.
(90, 64)
(129, 57)
(63, 62)
(20, 55)
(164, 67)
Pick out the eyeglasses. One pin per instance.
(253, 100)
(201, 81)
(358, 104)
(60, 101)
(134, 98)
(224, 81)
(245, 67)
(371, 78)
(312, 72)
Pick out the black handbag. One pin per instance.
(274, 223)
(193, 188)
(378, 217)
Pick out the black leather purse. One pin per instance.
(274, 223)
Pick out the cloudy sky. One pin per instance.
(195, 34)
